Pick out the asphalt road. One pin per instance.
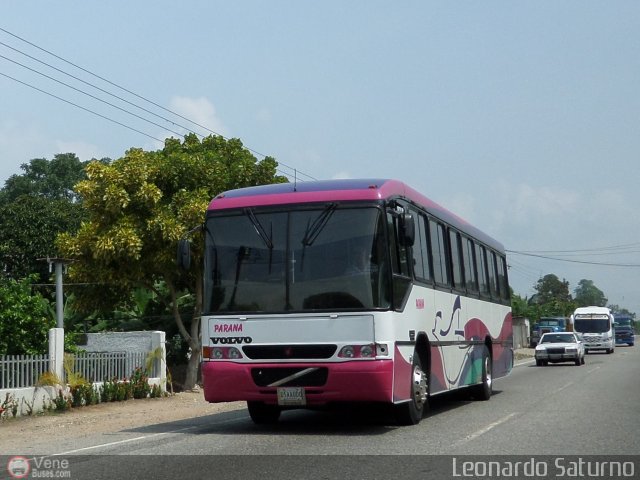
(558, 410)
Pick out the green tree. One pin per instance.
(138, 208)
(519, 305)
(24, 319)
(550, 288)
(587, 294)
(34, 207)
(552, 298)
(622, 311)
(28, 229)
(53, 179)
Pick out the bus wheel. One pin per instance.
(410, 413)
(483, 391)
(262, 413)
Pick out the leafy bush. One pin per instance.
(108, 390)
(61, 402)
(140, 384)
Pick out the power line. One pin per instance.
(573, 261)
(81, 107)
(145, 99)
(96, 113)
(89, 95)
(99, 114)
(620, 248)
(94, 86)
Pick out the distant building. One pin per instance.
(520, 332)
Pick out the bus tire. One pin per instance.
(410, 413)
(484, 390)
(261, 413)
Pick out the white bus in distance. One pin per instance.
(595, 325)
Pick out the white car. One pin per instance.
(557, 347)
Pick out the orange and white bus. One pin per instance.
(349, 291)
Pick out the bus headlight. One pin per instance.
(217, 353)
(221, 353)
(366, 351)
(234, 353)
(358, 351)
(347, 352)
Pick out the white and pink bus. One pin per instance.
(349, 291)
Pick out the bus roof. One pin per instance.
(341, 190)
(592, 310)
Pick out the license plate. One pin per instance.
(291, 396)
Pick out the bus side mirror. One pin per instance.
(184, 254)
(408, 229)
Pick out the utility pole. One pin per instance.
(58, 264)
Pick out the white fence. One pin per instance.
(19, 374)
(100, 366)
(19, 371)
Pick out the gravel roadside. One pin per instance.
(16, 434)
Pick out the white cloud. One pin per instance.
(341, 175)
(199, 110)
(526, 202)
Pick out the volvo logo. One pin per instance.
(230, 340)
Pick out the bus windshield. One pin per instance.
(599, 325)
(314, 259)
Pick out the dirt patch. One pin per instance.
(16, 433)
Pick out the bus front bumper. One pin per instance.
(352, 381)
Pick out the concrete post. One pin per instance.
(160, 364)
(59, 297)
(56, 352)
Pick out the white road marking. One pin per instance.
(484, 430)
(593, 370)
(562, 388)
(144, 437)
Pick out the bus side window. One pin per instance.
(503, 283)
(456, 260)
(399, 263)
(468, 259)
(421, 267)
(481, 264)
(439, 252)
(493, 277)
(398, 250)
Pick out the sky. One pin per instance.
(521, 117)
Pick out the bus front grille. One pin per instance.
(289, 352)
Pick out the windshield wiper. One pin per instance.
(318, 225)
(259, 228)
